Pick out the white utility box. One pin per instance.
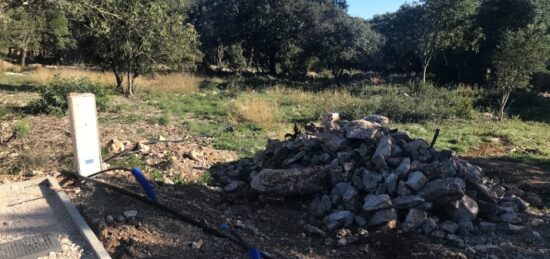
(84, 132)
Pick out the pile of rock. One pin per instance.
(361, 173)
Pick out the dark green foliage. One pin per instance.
(53, 96)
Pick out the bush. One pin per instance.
(54, 94)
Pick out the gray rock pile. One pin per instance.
(361, 173)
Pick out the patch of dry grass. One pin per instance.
(43, 75)
(253, 108)
(170, 83)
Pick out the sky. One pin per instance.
(368, 8)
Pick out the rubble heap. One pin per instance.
(362, 173)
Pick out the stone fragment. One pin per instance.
(443, 191)
(361, 129)
(233, 186)
(449, 226)
(391, 183)
(415, 218)
(416, 180)
(418, 150)
(378, 119)
(376, 202)
(197, 244)
(510, 217)
(289, 182)
(454, 238)
(465, 209)
(403, 190)
(403, 167)
(338, 219)
(371, 180)
(429, 225)
(314, 231)
(515, 228)
(333, 141)
(407, 202)
(383, 152)
(382, 217)
(130, 213)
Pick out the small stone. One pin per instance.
(383, 150)
(361, 129)
(536, 222)
(371, 180)
(429, 225)
(403, 190)
(130, 213)
(515, 228)
(109, 219)
(328, 241)
(343, 232)
(403, 167)
(510, 217)
(341, 242)
(391, 183)
(365, 249)
(407, 202)
(465, 209)
(314, 231)
(142, 148)
(379, 119)
(233, 186)
(449, 226)
(443, 191)
(416, 180)
(120, 218)
(376, 202)
(338, 219)
(415, 218)
(197, 244)
(382, 217)
(536, 234)
(487, 227)
(455, 238)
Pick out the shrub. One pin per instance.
(54, 94)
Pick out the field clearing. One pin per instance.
(270, 112)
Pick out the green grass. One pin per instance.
(463, 135)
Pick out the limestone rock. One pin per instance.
(289, 182)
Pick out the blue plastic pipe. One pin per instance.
(145, 184)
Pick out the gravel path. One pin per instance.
(31, 208)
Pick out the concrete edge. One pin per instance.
(83, 227)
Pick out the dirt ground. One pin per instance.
(274, 227)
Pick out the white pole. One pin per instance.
(84, 132)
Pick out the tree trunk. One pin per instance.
(119, 76)
(23, 56)
(503, 102)
(425, 69)
(130, 92)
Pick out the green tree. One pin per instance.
(517, 57)
(24, 30)
(346, 42)
(138, 37)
